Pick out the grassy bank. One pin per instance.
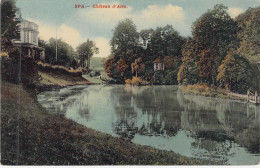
(210, 91)
(56, 75)
(29, 136)
(51, 78)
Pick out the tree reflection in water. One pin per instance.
(215, 124)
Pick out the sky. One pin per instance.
(76, 25)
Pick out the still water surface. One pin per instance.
(164, 118)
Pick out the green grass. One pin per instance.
(31, 136)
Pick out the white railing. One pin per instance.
(253, 98)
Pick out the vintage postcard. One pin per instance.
(130, 82)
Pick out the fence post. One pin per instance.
(256, 96)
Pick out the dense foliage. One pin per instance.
(213, 34)
(9, 25)
(86, 50)
(249, 34)
(203, 58)
(134, 52)
(236, 74)
(15, 67)
(65, 53)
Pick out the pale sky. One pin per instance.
(75, 25)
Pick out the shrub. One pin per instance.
(136, 81)
(14, 72)
(60, 69)
(128, 81)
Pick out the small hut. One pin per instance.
(158, 64)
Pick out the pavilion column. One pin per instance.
(29, 52)
(33, 53)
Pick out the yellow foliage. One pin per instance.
(181, 74)
(136, 81)
(4, 54)
(204, 90)
(128, 81)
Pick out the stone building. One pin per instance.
(29, 40)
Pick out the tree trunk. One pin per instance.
(88, 62)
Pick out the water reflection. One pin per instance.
(163, 117)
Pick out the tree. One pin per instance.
(205, 65)
(166, 42)
(163, 41)
(86, 50)
(249, 34)
(9, 24)
(125, 40)
(121, 66)
(188, 72)
(65, 52)
(236, 74)
(108, 65)
(137, 66)
(213, 34)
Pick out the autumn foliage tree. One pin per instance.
(108, 65)
(137, 66)
(188, 72)
(236, 74)
(213, 34)
(206, 64)
(249, 34)
(121, 66)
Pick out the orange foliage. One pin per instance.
(136, 81)
(206, 64)
(137, 66)
(121, 66)
(108, 65)
(181, 74)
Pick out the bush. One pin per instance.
(167, 77)
(14, 72)
(204, 90)
(8, 70)
(59, 69)
(94, 73)
(128, 81)
(136, 81)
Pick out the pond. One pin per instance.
(165, 118)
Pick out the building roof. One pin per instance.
(158, 59)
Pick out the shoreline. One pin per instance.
(218, 95)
